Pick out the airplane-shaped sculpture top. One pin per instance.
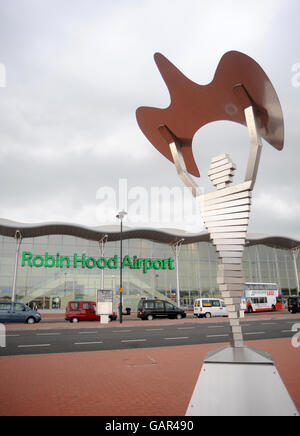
(239, 82)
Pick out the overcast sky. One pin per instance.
(72, 74)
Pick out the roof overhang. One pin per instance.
(9, 228)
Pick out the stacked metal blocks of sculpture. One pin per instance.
(226, 215)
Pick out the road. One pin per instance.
(152, 334)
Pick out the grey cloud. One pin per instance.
(76, 72)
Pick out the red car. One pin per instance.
(84, 311)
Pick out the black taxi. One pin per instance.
(294, 304)
(149, 309)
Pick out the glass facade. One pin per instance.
(197, 267)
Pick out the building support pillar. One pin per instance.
(295, 252)
(102, 243)
(176, 249)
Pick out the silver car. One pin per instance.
(17, 312)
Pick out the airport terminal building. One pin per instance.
(53, 263)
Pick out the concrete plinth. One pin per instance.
(240, 382)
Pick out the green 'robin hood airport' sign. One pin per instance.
(83, 261)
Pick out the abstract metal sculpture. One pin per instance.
(240, 92)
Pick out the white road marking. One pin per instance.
(121, 331)
(255, 333)
(134, 340)
(216, 336)
(181, 337)
(37, 345)
(153, 330)
(87, 343)
(48, 334)
(87, 333)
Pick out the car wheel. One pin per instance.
(208, 315)
(273, 308)
(178, 316)
(150, 317)
(30, 320)
(75, 320)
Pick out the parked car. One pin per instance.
(84, 311)
(294, 304)
(17, 312)
(208, 307)
(149, 309)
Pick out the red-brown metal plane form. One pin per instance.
(239, 82)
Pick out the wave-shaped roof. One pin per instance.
(9, 228)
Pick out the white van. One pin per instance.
(209, 307)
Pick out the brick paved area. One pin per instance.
(139, 382)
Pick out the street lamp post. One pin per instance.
(18, 237)
(120, 216)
